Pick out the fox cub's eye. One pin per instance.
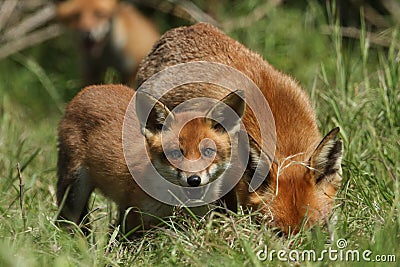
(174, 154)
(100, 14)
(208, 152)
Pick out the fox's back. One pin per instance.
(295, 121)
(92, 127)
(305, 171)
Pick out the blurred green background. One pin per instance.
(289, 34)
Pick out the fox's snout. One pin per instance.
(96, 33)
(91, 20)
(194, 180)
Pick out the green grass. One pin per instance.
(352, 85)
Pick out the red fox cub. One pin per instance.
(111, 34)
(90, 151)
(305, 172)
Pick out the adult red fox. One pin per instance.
(91, 151)
(305, 172)
(111, 34)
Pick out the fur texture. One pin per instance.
(304, 177)
(90, 153)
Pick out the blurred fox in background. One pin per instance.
(111, 34)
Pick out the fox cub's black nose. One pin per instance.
(194, 180)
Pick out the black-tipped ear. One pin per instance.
(327, 158)
(222, 115)
(151, 113)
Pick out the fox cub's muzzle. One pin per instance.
(194, 180)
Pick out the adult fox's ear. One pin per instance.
(326, 160)
(258, 162)
(151, 114)
(222, 115)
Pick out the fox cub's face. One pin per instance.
(189, 148)
(90, 18)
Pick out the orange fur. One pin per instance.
(112, 34)
(295, 188)
(90, 153)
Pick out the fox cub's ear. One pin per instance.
(326, 160)
(227, 113)
(151, 113)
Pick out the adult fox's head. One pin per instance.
(190, 148)
(90, 18)
(299, 189)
